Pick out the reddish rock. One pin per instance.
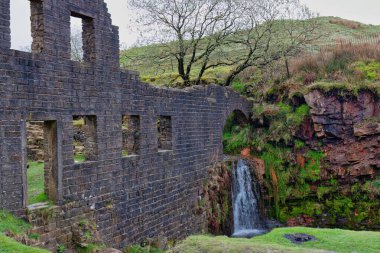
(246, 152)
(353, 158)
(335, 117)
(258, 166)
(306, 131)
(367, 129)
(302, 220)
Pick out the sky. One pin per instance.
(365, 11)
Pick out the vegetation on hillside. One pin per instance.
(164, 72)
(328, 240)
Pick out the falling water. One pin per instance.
(245, 197)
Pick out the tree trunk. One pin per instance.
(287, 67)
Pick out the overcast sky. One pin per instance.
(365, 11)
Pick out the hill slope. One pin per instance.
(160, 73)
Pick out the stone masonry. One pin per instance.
(129, 198)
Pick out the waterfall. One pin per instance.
(245, 198)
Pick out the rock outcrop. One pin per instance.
(350, 129)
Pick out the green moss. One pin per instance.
(236, 140)
(239, 87)
(276, 175)
(79, 158)
(369, 70)
(323, 190)
(61, 248)
(340, 207)
(284, 120)
(312, 170)
(298, 144)
(308, 208)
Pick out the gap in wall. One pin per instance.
(21, 32)
(164, 130)
(42, 161)
(85, 138)
(76, 38)
(130, 135)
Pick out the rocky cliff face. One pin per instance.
(319, 164)
(350, 130)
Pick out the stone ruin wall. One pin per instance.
(129, 198)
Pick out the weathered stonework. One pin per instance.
(129, 198)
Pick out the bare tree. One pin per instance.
(199, 34)
(271, 30)
(76, 45)
(188, 30)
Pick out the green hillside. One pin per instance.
(332, 29)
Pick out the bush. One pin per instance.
(347, 23)
(338, 64)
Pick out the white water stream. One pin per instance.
(247, 220)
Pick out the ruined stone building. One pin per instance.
(175, 135)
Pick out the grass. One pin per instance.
(36, 191)
(10, 223)
(340, 241)
(79, 158)
(9, 245)
(18, 227)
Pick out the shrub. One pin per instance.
(347, 23)
(369, 70)
(337, 63)
(239, 87)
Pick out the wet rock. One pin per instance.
(300, 238)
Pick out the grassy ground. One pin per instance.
(329, 240)
(36, 192)
(8, 245)
(36, 182)
(17, 227)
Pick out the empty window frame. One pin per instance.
(164, 129)
(82, 38)
(42, 161)
(27, 25)
(131, 135)
(85, 138)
